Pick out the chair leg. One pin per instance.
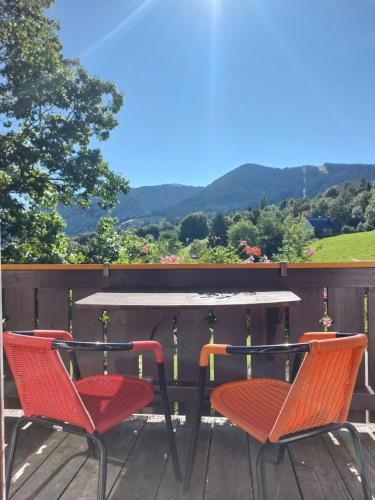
(195, 432)
(281, 453)
(261, 476)
(12, 451)
(360, 460)
(91, 447)
(103, 459)
(168, 422)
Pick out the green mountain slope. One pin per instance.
(346, 247)
(141, 202)
(236, 190)
(243, 186)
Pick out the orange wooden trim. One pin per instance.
(261, 265)
(50, 267)
(211, 349)
(332, 265)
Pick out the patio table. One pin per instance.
(148, 314)
(188, 299)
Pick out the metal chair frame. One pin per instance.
(94, 440)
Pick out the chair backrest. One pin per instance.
(322, 391)
(43, 383)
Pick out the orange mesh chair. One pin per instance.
(85, 406)
(276, 412)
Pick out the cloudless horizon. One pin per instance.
(213, 84)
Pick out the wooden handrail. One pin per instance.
(260, 265)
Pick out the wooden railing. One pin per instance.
(43, 296)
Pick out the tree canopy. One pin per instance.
(194, 226)
(51, 113)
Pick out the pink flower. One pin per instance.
(170, 259)
(326, 321)
(145, 250)
(266, 259)
(309, 252)
(243, 243)
(250, 260)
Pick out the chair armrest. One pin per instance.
(225, 349)
(148, 345)
(306, 337)
(208, 349)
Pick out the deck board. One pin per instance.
(228, 453)
(55, 466)
(120, 442)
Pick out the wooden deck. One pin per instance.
(54, 465)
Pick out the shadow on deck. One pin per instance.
(54, 465)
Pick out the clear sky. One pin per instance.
(212, 84)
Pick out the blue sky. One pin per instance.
(212, 84)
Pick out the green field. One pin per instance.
(346, 247)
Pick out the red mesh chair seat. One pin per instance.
(254, 404)
(109, 399)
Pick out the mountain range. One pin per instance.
(240, 188)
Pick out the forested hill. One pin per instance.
(140, 203)
(238, 189)
(243, 186)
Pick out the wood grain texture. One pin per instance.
(186, 300)
(141, 474)
(305, 316)
(169, 489)
(316, 472)
(280, 478)
(228, 453)
(346, 463)
(346, 308)
(54, 465)
(51, 478)
(230, 328)
(35, 445)
(120, 441)
(192, 333)
(19, 312)
(87, 328)
(267, 327)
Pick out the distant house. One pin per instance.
(323, 226)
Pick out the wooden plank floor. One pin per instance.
(53, 465)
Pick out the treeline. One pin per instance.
(263, 233)
(266, 232)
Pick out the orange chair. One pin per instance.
(85, 406)
(277, 413)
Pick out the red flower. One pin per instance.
(256, 251)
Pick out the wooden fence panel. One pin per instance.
(53, 313)
(230, 328)
(87, 327)
(192, 333)
(304, 317)
(346, 285)
(141, 325)
(371, 342)
(53, 309)
(121, 329)
(346, 308)
(267, 327)
(19, 311)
